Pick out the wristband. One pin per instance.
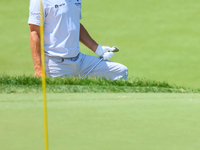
(99, 51)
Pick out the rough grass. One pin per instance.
(30, 84)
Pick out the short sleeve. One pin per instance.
(80, 5)
(80, 16)
(34, 12)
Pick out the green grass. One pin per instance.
(158, 40)
(30, 84)
(101, 121)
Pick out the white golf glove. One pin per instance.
(105, 52)
(107, 55)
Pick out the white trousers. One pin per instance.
(80, 65)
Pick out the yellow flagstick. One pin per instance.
(43, 76)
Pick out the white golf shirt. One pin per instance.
(61, 25)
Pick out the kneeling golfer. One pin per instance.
(62, 33)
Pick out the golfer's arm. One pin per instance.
(86, 39)
(35, 48)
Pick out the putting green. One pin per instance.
(101, 121)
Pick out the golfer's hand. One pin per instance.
(108, 49)
(103, 49)
(107, 55)
(38, 73)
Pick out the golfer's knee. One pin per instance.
(124, 71)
